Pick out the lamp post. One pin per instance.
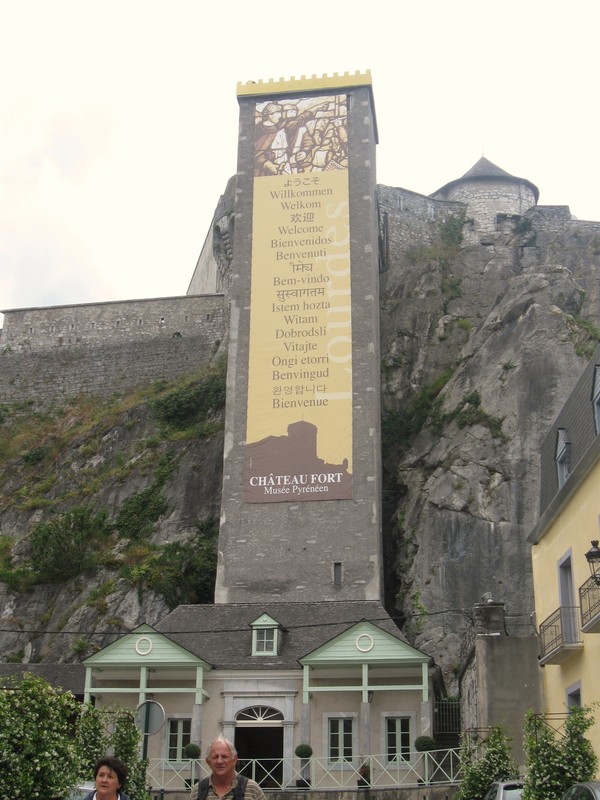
(593, 559)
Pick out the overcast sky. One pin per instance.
(118, 119)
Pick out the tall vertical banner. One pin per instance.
(299, 408)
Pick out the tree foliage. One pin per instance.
(556, 761)
(111, 730)
(49, 741)
(38, 754)
(484, 762)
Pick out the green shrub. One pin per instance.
(424, 743)
(182, 572)
(190, 404)
(451, 232)
(35, 455)
(557, 761)
(138, 514)
(191, 750)
(398, 428)
(483, 762)
(65, 546)
(37, 743)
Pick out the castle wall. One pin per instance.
(408, 219)
(48, 354)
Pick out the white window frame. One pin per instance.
(351, 719)
(265, 641)
(182, 738)
(399, 759)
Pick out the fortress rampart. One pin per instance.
(415, 217)
(101, 348)
(53, 353)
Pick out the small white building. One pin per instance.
(270, 676)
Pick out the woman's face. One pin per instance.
(107, 782)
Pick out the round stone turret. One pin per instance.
(488, 191)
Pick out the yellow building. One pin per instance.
(565, 553)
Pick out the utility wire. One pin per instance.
(397, 618)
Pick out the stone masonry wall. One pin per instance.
(56, 353)
(43, 329)
(486, 199)
(412, 219)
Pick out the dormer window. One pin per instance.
(563, 457)
(265, 636)
(596, 397)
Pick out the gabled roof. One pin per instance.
(365, 641)
(222, 634)
(144, 646)
(484, 170)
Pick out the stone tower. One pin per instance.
(489, 191)
(300, 514)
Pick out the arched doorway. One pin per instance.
(259, 744)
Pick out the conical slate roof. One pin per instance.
(484, 170)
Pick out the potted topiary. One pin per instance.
(191, 751)
(425, 744)
(304, 752)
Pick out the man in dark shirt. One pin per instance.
(223, 780)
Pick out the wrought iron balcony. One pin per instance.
(589, 600)
(560, 635)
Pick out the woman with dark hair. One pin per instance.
(110, 774)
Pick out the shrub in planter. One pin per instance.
(304, 752)
(191, 751)
(424, 743)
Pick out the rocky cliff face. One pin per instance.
(109, 515)
(483, 338)
(483, 335)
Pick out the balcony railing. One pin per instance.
(437, 767)
(589, 600)
(560, 635)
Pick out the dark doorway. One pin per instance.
(260, 753)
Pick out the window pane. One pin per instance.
(265, 640)
(397, 739)
(340, 740)
(179, 734)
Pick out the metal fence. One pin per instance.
(436, 767)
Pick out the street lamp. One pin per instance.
(593, 559)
